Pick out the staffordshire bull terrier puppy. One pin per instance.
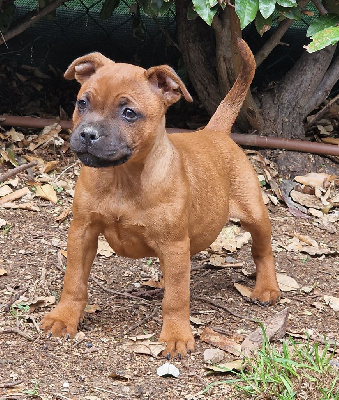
(152, 194)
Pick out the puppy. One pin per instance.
(156, 195)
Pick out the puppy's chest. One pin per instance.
(125, 229)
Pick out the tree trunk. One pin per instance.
(197, 46)
(283, 108)
(211, 60)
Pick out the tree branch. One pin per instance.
(331, 77)
(320, 7)
(274, 40)
(29, 20)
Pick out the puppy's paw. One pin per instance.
(266, 296)
(179, 341)
(62, 321)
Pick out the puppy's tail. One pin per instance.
(225, 115)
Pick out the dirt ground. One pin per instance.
(100, 364)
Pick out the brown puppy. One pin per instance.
(154, 194)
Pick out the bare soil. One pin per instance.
(100, 365)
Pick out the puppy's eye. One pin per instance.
(82, 105)
(129, 114)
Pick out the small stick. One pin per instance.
(10, 384)
(213, 303)
(314, 118)
(17, 170)
(122, 294)
(147, 318)
(14, 298)
(17, 331)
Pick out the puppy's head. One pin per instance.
(120, 108)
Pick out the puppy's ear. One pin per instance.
(164, 79)
(82, 68)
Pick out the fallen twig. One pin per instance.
(10, 384)
(17, 331)
(16, 171)
(314, 118)
(147, 318)
(14, 298)
(121, 294)
(213, 303)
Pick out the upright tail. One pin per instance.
(225, 115)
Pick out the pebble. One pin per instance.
(213, 356)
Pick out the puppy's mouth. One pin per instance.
(91, 160)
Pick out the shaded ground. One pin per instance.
(99, 365)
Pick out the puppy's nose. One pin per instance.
(89, 134)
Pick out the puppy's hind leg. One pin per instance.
(254, 219)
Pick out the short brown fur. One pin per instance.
(154, 194)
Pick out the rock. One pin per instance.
(213, 356)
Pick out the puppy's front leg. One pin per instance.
(176, 331)
(81, 249)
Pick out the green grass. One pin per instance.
(296, 368)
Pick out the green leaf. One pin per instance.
(246, 11)
(108, 7)
(323, 22)
(290, 12)
(287, 3)
(262, 24)
(323, 38)
(266, 7)
(203, 8)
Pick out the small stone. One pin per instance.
(213, 356)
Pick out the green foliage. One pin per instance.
(323, 38)
(266, 8)
(206, 9)
(277, 373)
(246, 11)
(5, 229)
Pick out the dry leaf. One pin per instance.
(22, 206)
(243, 290)
(15, 195)
(15, 136)
(146, 347)
(332, 301)
(41, 301)
(3, 222)
(104, 248)
(154, 284)
(306, 200)
(237, 365)
(47, 134)
(221, 341)
(168, 370)
(287, 283)
(316, 180)
(230, 238)
(5, 190)
(3, 272)
(141, 337)
(92, 308)
(47, 192)
(61, 217)
(119, 376)
(275, 328)
(50, 166)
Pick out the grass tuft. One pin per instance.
(298, 370)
